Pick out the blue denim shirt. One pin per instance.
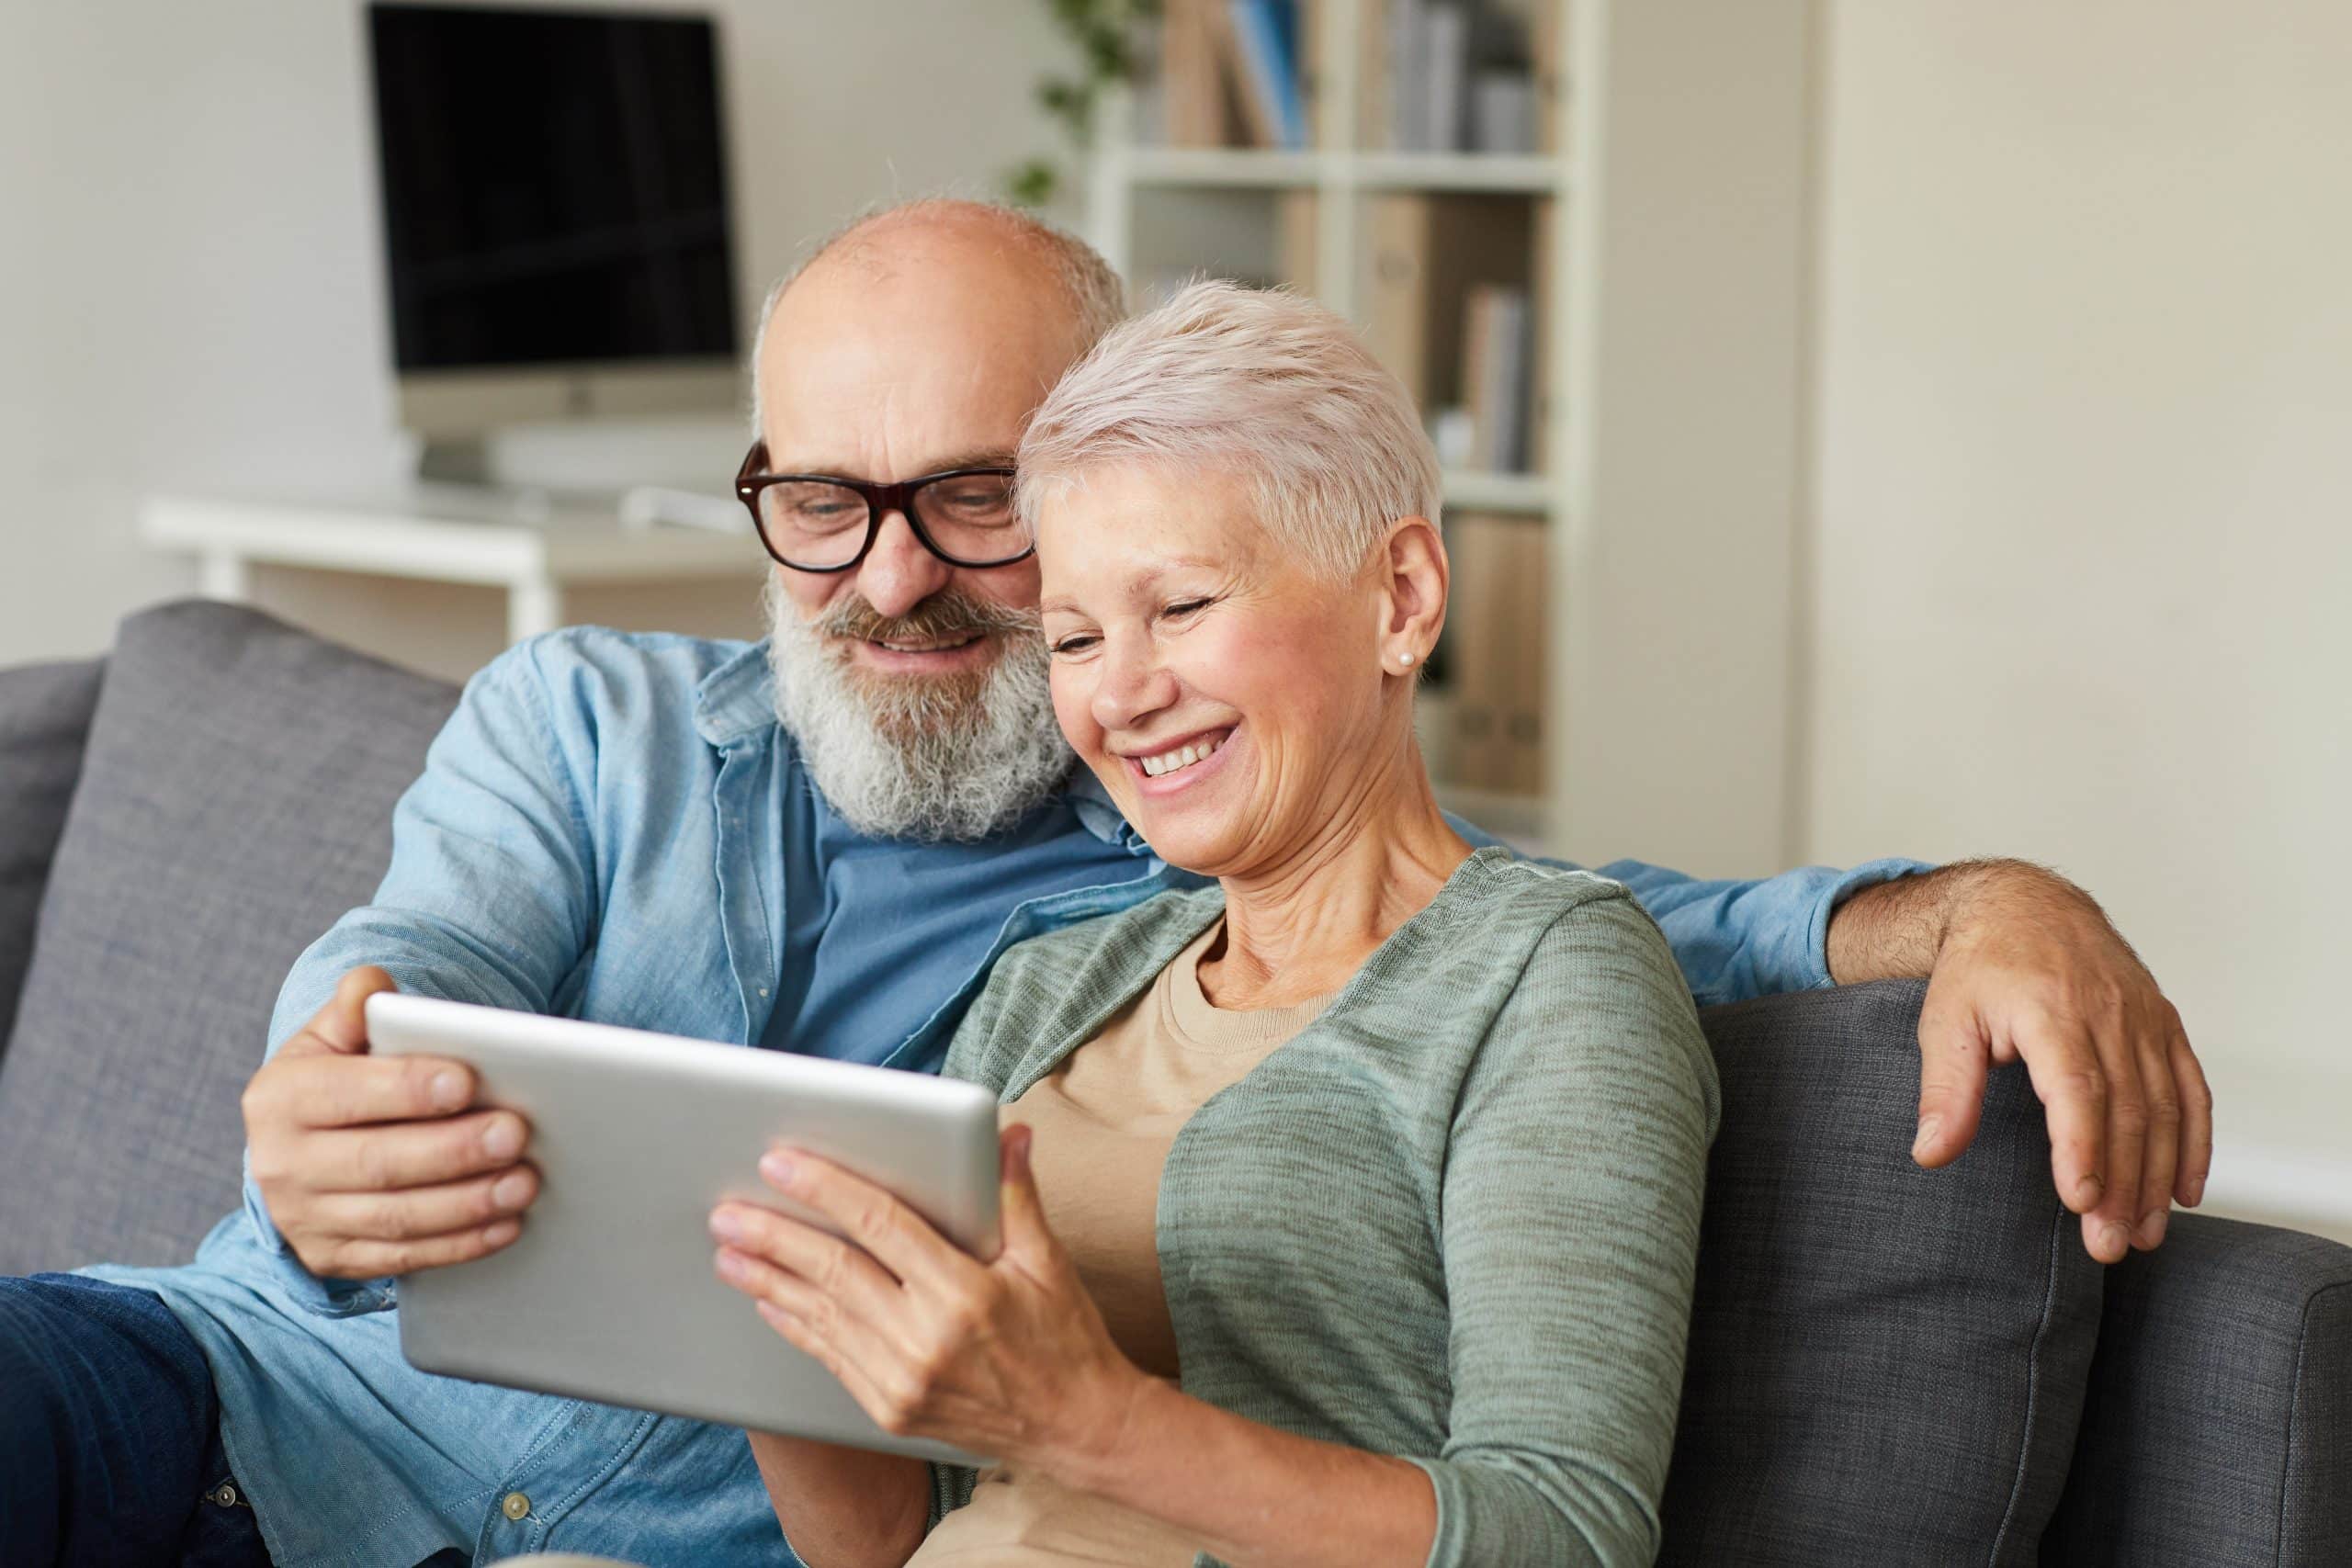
(601, 831)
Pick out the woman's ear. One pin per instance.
(1413, 582)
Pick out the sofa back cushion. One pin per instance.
(235, 798)
(1887, 1364)
(2219, 1426)
(44, 720)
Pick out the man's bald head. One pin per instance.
(939, 241)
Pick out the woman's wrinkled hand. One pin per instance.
(1009, 1358)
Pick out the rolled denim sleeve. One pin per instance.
(489, 897)
(1740, 940)
(1737, 941)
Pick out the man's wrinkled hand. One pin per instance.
(372, 1166)
(2028, 969)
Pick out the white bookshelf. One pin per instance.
(1674, 370)
(1246, 169)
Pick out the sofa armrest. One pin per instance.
(2219, 1426)
(44, 722)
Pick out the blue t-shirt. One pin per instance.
(869, 927)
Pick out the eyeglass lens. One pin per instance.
(967, 516)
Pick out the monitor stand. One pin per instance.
(453, 460)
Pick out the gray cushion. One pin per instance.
(1887, 1364)
(235, 799)
(2219, 1428)
(44, 720)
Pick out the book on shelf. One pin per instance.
(1450, 298)
(1230, 73)
(1190, 92)
(1547, 51)
(1265, 55)
(1394, 287)
(1496, 356)
(1445, 42)
(1503, 111)
(1493, 654)
(1453, 76)
(1295, 233)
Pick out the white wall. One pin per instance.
(21, 167)
(2082, 567)
(189, 265)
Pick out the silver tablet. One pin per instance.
(609, 1294)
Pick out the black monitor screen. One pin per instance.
(554, 186)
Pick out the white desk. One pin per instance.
(444, 536)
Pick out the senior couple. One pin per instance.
(1352, 1165)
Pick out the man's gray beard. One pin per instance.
(919, 758)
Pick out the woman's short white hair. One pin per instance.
(1260, 383)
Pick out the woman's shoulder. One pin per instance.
(1597, 989)
(1569, 974)
(1504, 906)
(1507, 937)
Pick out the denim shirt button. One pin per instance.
(516, 1507)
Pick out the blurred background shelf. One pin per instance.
(1530, 174)
(1253, 168)
(1502, 195)
(1242, 168)
(1393, 158)
(1499, 492)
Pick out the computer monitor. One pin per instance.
(555, 215)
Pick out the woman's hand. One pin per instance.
(1009, 1358)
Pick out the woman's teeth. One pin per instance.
(1183, 756)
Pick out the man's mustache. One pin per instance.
(944, 616)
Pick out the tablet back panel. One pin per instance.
(609, 1294)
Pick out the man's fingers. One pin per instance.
(2161, 1162)
(414, 1154)
(2195, 1119)
(1953, 1059)
(422, 1212)
(2072, 1086)
(352, 1258)
(340, 1028)
(354, 1091)
(2129, 1121)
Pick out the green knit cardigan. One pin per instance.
(1456, 1219)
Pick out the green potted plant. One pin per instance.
(1102, 33)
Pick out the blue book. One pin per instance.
(1266, 34)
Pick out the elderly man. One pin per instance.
(818, 844)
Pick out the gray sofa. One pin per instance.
(1888, 1365)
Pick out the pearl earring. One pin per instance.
(1405, 660)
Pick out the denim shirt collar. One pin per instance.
(735, 704)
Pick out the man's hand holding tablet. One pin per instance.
(609, 1292)
(374, 1166)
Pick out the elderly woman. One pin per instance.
(1351, 1203)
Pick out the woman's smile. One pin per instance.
(1180, 764)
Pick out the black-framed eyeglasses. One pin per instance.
(826, 523)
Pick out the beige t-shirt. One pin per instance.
(1104, 1120)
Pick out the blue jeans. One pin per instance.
(111, 1435)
